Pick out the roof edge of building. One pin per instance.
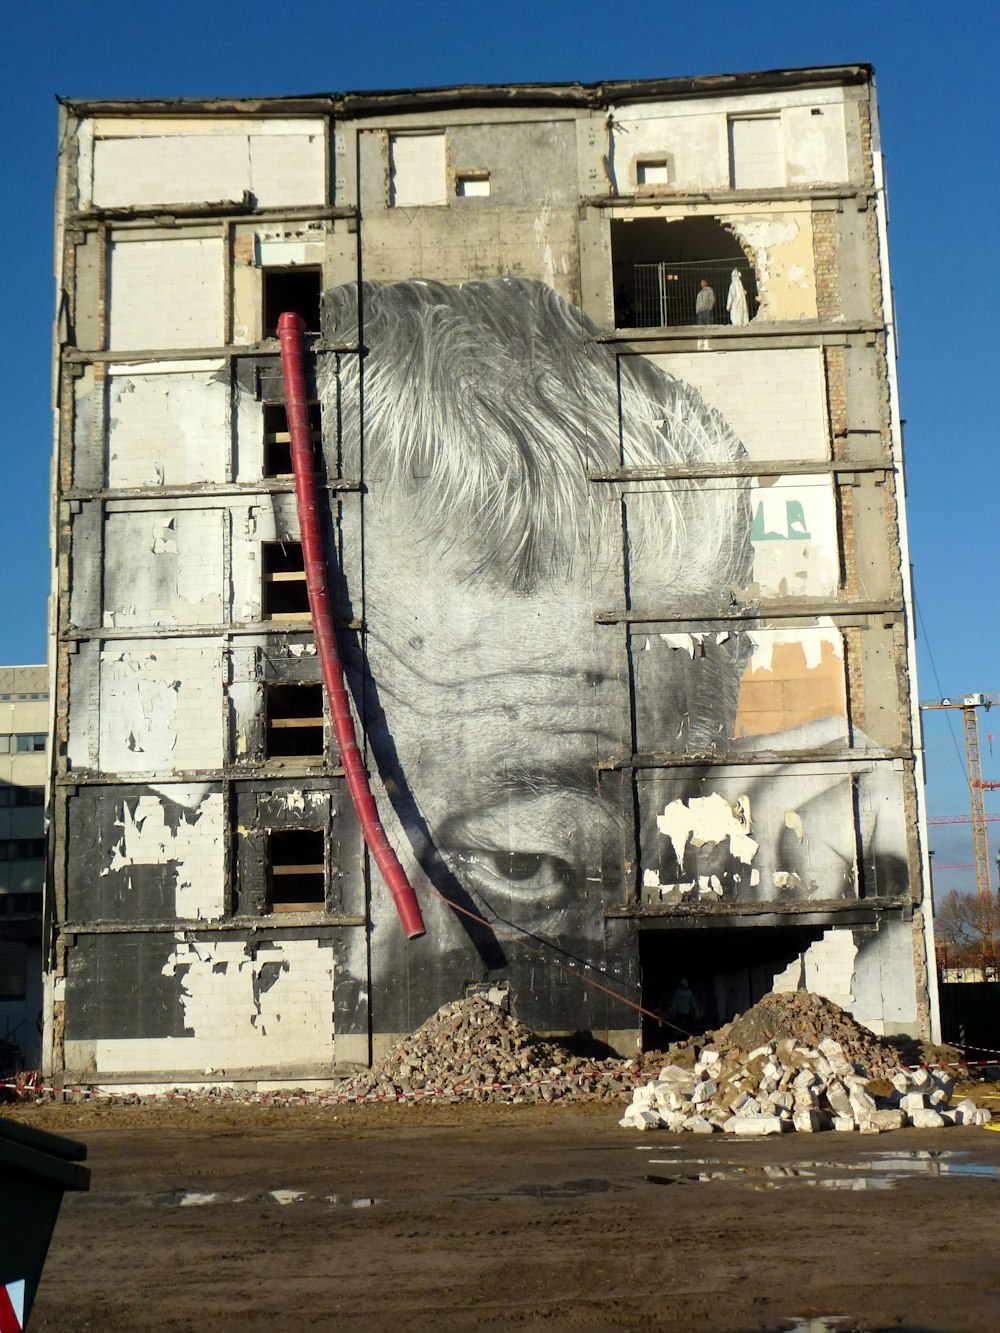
(589, 95)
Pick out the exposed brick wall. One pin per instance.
(836, 399)
(824, 236)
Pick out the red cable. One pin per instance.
(291, 327)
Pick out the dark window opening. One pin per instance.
(284, 594)
(34, 796)
(20, 904)
(22, 849)
(295, 289)
(32, 744)
(296, 870)
(658, 268)
(727, 970)
(294, 720)
(277, 443)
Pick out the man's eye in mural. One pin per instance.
(538, 876)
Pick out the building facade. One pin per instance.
(24, 731)
(603, 405)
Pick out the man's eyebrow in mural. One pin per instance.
(485, 407)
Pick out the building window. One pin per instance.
(659, 265)
(654, 171)
(294, 716)
(296, 870)
(22, 849)
(277, 443)
(33, 796)
(31, 744)
(284, 594)
(756, 152)
(472, 184)
(417, 170)
(296, 289)
(13, 970)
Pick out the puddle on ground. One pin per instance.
(874, 1171)
(570, 1189)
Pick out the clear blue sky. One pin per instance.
(937, 78)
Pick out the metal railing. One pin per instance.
(666, 293)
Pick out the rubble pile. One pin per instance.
(795, 1062)
(472, 1049)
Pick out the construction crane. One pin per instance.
(968, 704)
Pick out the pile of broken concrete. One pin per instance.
(796, 1078)
(473, 1050)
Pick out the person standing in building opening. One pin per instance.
(704, 304)
(684, 1006)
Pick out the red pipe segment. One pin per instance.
(291, 327)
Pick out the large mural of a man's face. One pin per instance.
(499, 696)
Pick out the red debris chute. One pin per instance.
(291, 327)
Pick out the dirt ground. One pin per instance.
(482, 1217)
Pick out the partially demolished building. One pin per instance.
(603, 406)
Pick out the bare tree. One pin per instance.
(956, 921)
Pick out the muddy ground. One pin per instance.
(483, 1217)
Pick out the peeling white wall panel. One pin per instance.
(161, 706)
(163, 567)
(796, 547)
(166, 293)
(245, 1013)
(192, 851)
(167, 429)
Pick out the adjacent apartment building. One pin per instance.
(24, 730)
(604, 409)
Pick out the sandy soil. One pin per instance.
(482, 1217)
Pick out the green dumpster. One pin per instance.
(35, 1170)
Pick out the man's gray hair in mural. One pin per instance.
(500, 399)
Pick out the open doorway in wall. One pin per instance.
(659, 266)
(726, 970)
(297, 289)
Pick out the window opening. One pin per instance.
(473, 184)
(296, 870)
(658, 268)
(33, 744)
(284, 594)
(297, 289)
(294, 716)
(277, 441)
(653, 172)
(34, 796)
